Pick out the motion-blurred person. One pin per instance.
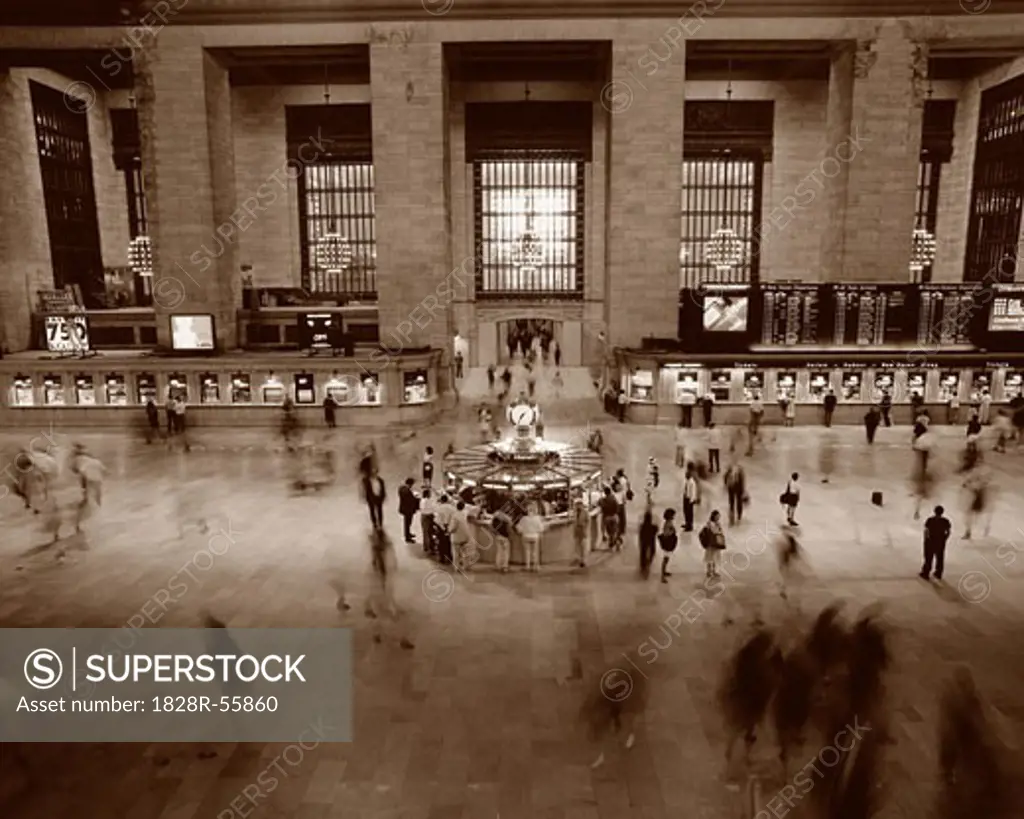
(612, 705)
(885, 405)
(428, 466)
(580, 532)
(748, 685)
(680, 446)
(756, 414)
(791, 706)
(788, 556)
(90, 473)
(827, 457)
(872, 420)
(330, 411)
(790, 498)
(977, 488)
(1003, 429)
(381, 603)
(374, 494)
(610, 519)
(647, 541)
(152, 421)
(736, 488)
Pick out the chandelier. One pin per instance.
(333, 252)
(724, 250)
(922, 250)
(140, 255)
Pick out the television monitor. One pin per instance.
(320, 331)
(193, 333)
(725, 313)
(1007, 314)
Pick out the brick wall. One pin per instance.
(413, 255)
(644, 178)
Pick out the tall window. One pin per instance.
(725, 147)
(333, 147)
(997, 199)
(529, 225)
(720, 192)
(936, 149)
(926, 210)
(337, 198)
(65, 164)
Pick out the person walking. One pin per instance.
(977, 488)
(557, 353)
(491, 375)
(668, 540)
(985, 408)
(501, 525)
(788, 555)
(152, 421)
(886, 407)
(381, 601)
(460, 363)
(680, 446)
(181, 428)
(580, 530)
(90, 473)
(707, 406)
(531, 527)
(714, 448)
(937, 530)
(647, 540)
(330, 405)
(790, 499)
(691, 497)
(872, 420)
(610, 518)
(712, 540)
(408, 506)
(829, 404)
(374, 493)
(736, 489)
(171, 415)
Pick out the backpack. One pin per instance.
(705, 537)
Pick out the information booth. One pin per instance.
(522, 471)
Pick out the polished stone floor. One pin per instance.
(481, 719)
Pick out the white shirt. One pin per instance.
(690, 490)
(680, 436)
(793, 487)
(427, 506)
(714, 438)
(688, 399)
(756, 407)
(531, 526)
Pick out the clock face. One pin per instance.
(522, 415)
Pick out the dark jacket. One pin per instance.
(408, 503)
(937, 530)
(830, 403)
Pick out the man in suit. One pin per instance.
(408, 506)
(374, 493)
(829, 403)
(936, 533)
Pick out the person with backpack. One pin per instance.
(712, 540)
(668, 539)
(790, 499)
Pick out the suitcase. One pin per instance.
(876, 498)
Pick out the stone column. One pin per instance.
(416, 285)
(833, 188)
(880, 155)
(188, 163)
(645, 104)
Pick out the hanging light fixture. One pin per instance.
(725, 251)
(528, 252)
(922, 249)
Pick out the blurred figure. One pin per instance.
(375, 493)
(90, 473)
(872, 420)
(827, 457)
(289, 424)
(330, 410)
(826, 643)
(614, 704)
(750, 681)
(976, 488)
(647, 539)
(580, 531)
(1004, 431)
(152, 421)
(791, 706)
(382, 600)
(789, 556)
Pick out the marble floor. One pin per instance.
(481, 719)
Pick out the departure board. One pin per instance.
(790, 314)
(945, 314)
(869, 315)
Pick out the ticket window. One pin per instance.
(785, 387)
(641, 386)
(209, 388)
(917, 381)
(53, 391)
(145, 388)
(753, 385)
(851, 385)
(1013, 384)
(981, 383)
(885, 384)
(241, 388)
(85, 391)
(721, 385)
(177, 387)
(344, 390)
(949, 385)
(416, 388)
(115, 390)
(22, 392)
(687, 383)
(305, 388)
(272, 391)
(818, 386)
(371, 390)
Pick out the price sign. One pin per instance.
(67, 334)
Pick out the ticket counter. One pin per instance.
(242, 390)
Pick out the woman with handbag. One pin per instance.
(712, 539)
(668, 540)
(790, 499)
